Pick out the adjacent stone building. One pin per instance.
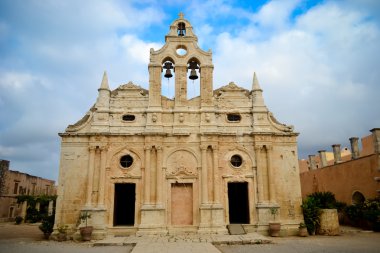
(140, 162)
(15, 183)
(353, 176)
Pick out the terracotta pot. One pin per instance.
(274, 229)
(86, 233)
(61, 237)
(303, 232)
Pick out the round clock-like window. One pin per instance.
(236, 161)
(126, 161)
(181, 51)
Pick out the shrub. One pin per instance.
(311, 214)
(47, 224)
(324, 200)
(18, 220)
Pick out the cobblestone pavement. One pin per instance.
(28, 238)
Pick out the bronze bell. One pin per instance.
(193, 75)
(168, 73)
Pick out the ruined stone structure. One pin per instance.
(352, 177)
(143, 163)
(17, 183)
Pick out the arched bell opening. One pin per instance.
(194, 75)
(181, 29)
(168, 78)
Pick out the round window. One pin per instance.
(236, 160)
(126, 161)
(181, 51)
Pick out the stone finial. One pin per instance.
(181, 15)
(257, 95)
(337, 153)
(255, 83)
(322, 157)
(354, 147)
(104, 84)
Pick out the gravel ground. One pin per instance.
(28, 238)
(362, 242)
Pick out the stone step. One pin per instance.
(236, 229)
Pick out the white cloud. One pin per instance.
(311, 71)
(275, 14)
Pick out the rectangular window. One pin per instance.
(15, 188)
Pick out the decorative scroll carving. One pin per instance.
(182, 170)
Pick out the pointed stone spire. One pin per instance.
(104, 84)
(255, 83)
(257, 95)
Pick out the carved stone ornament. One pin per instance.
(182, 170)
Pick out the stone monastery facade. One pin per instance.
(141, 163)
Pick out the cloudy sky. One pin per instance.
(318, 63)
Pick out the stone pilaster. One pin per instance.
(90, 175)
(260, 183)
(147, 175)
(204, 189)
(271, 176)
(159, 184)
(102, 173)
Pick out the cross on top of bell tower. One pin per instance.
(181, 15)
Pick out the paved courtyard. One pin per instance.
(28, 238)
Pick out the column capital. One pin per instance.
(159, 148)
(147, 147)
(92, 148)
(104, 148)
(203, 146)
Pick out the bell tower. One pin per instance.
(182, 59)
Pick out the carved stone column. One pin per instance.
(271, 176)
(147, 175)
(102, 173)
(90, 175)
(216, 181)
(204, 174)
(159, 176)
(260, 185)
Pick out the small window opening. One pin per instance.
(236, 161)
(129, 117)
(233, 117)
(126, 161)
(181, 29)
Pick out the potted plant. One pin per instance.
(85, 231)
(47, 226)
(62, 233)
(274, 226)
(302, 230)
(18, 220)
